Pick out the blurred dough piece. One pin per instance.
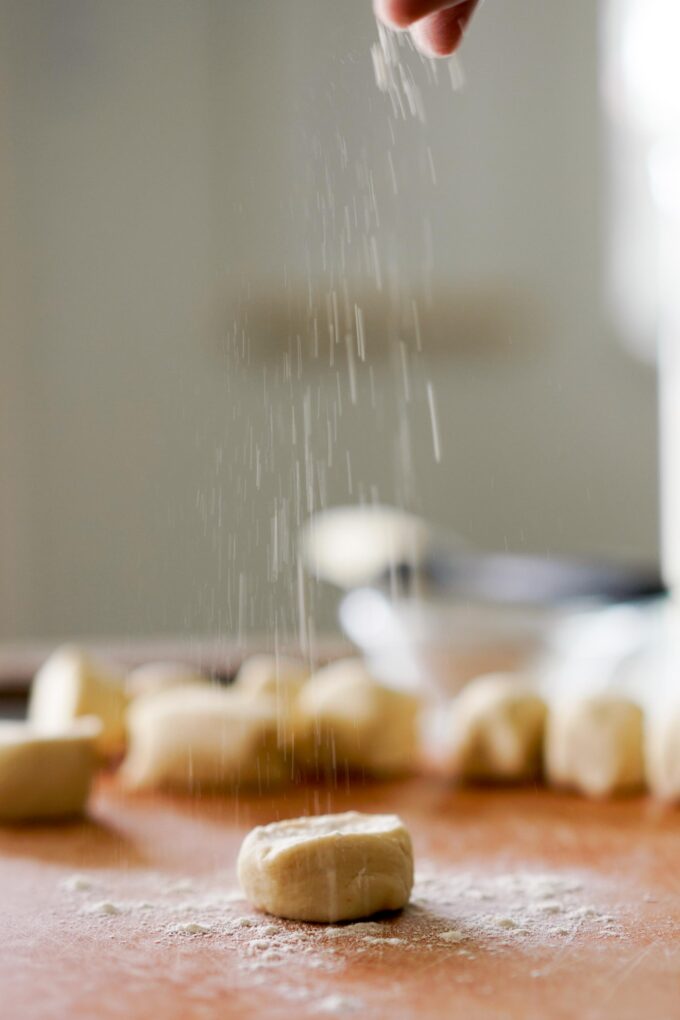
(351, 546)
(496, 731)
(278, 680)
(71, 684)
(353, 722)
(595, 745)
(201, 737)
(328, 868)
(45, 777)
(276, 676)
(161, 676)
(662, 746)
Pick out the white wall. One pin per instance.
(163, 164)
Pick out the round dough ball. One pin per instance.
(46, 776)
(662, 751)
(496, 731)
(328, 868)
(354, 723)
(595, 745)
(155, 677)
(201, 737)
(71, 684)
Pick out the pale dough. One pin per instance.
(71, 684)
(595, 745)
(161, 676)
(271, 675)
(46, 776)
(279, 681)
(328, 868)
(352, 722)
(662, 747)
(496, 731)
(201, 737)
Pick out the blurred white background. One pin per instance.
(159, 174)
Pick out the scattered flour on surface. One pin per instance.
(190, 928)
(77, 883)
(180, 885)
(339, 1004)
(504, 922)
(536, 906)
(456, 916)
(357, 928)
(376, 940)
(234, 896)
(549, 907)
(104, 907)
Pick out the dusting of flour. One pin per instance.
(461, 915)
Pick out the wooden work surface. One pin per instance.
(164, 862)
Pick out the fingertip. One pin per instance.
(393, 14)
(439, 34)
(432, 43)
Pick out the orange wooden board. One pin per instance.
(166, 862)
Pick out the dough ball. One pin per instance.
(328, 868)
(595, 745)
(662, 746)
(71, 684)
(272, 675)
(161, 676)
(352, 722)
(278, 680)
(201, 737)
(496, 731)
(46, 776)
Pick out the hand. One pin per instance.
(437, 26)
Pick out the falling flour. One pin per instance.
(393, 77)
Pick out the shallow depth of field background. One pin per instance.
(157, 157)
